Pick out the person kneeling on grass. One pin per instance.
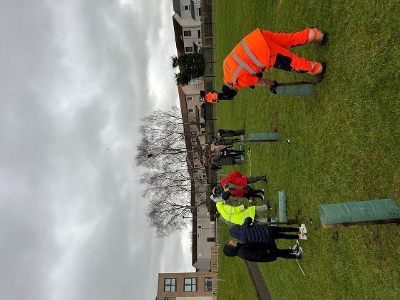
(261, 252)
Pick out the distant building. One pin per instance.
(181, 286)
(187, 25)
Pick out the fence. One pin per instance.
(208, 49)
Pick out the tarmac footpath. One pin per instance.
(258, 280)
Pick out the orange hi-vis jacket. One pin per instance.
(249, 57)
(211, 97)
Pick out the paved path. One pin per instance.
(258, 279)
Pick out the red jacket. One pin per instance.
(236, 178)
(238, 193)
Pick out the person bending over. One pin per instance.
(261, 50)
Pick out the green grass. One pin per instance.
(344, 143)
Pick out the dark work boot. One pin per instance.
(324, 39)
(320, 76)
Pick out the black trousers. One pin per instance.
(285, 253)
(278, 233)
(254, 179)
(230, 133)
(251, 193)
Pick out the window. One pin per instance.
(190, 285)
(208, 284)
(187, 33)
(199, 255)
(211, 239)
(170, 285)
(189, 98)
(191, 110)
(186, 7)
(188, 49)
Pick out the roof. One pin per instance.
(178, 35)
(176, 5)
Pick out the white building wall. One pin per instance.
(192, 27)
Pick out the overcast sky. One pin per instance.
(75, 78)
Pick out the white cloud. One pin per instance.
(76, 78)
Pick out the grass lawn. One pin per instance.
(344, 144)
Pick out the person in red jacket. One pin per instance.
(236, 178)
(261, 50)
(244, 190)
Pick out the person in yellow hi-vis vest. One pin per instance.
(237, 214)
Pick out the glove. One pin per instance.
(272, 88)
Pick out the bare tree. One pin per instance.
(172, 184)
(163, 138)
(166, 214)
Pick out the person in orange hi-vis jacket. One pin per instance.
(261, 50)
(213, 97)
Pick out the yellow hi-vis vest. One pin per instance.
(235, 214)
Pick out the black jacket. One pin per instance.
(257, 252)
